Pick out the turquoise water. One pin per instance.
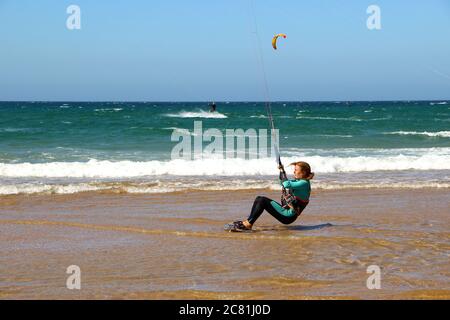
(107, 142)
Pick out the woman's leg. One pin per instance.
(274, 208)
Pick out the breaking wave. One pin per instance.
(402, 159)
(198, 114)
(443, 134)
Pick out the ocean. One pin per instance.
(126, 147)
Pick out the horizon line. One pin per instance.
(226, 101)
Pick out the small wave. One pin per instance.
(344, 119)
(46, 189)
(334, 135)
(162, 187)
(438, 103)
(15, 130)
(429, 159)
(108, 109)
(444, 134)
(384, 185)
(329, 118)
(259, 117)
(380, 119)
(198, 114)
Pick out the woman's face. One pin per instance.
(298, 173)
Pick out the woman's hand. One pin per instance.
(280, 167)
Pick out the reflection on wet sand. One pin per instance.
(173, 246)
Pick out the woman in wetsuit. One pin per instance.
(294, 199)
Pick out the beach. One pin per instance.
(173, 246)
(96, 187)
(126, 159)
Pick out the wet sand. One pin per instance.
(172, 246)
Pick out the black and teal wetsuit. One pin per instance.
(301, 189)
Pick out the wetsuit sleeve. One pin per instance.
(294, 184)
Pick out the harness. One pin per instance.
(288, 199)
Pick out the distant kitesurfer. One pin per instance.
(212, 107)
(294, 199)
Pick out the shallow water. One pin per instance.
(160, 246)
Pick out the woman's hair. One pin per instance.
(306, 169)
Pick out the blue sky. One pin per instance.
(201, 50)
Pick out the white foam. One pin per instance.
(108, 109)
(444, 134)
(329, 118)
(259, 117)
(198, 114)
(334, 135)
(393, 185)
(47, 189)
(343, 119)
(202, 185)
(15, 129)
(427, 159)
